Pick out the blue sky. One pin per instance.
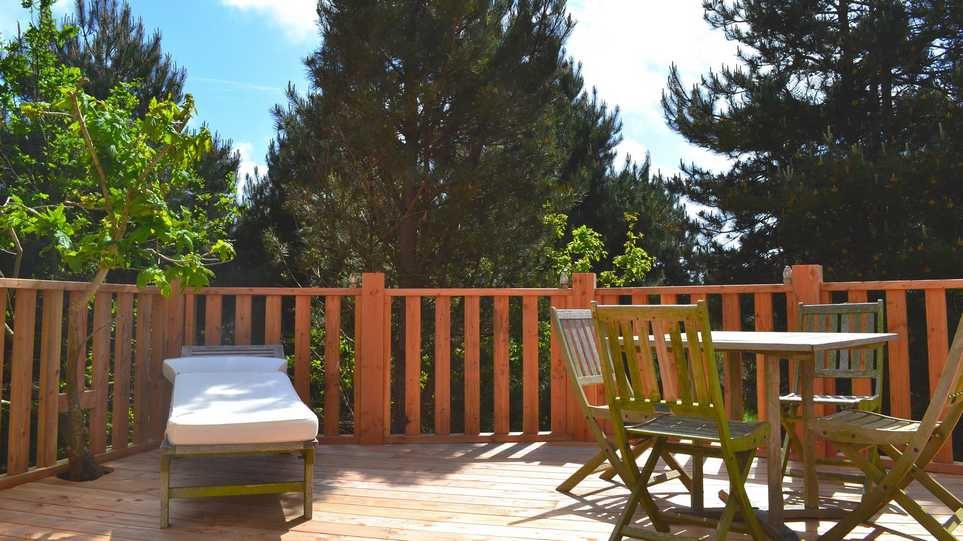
(241, 54)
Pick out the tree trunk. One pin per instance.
(82, 466)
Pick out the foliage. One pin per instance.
(844, 124)
(585, 251)
(95, 178)
(110, 48)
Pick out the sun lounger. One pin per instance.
(234, 400)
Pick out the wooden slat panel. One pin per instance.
(190, 319)
(51, 340)
(21, 381)
(272, 318)
(242, 320)
(937, 346)
(732, 369)
(412, 365)
(442, 369)
(332, 364)
(472, 365)
(559, 384)
(898, 354)
(103, 303)
(143, 340)
(122, 354)
(861, 386)
(763, 319)
(668, 298)
(158, 414)
(302, 347)
(530, 414)
(212, 320)
(500, 370)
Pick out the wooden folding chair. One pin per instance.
(863, 369)
(647, 368)
(910, 444)
(576, 335)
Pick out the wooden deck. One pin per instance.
(449, 492)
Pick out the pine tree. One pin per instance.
(845, 123)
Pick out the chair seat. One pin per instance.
(827, 399)
(854, 426)
(699, 428)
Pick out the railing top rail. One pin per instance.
(709, 289)
(280, 291)
(22, 283)
(956, 283)
(478, 292)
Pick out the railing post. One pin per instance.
(371, 379)
(806, 282)
(583, 293)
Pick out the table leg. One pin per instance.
(807, 378)
(774, 457)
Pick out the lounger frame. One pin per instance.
(169, 451)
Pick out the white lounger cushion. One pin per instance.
(221, 363)
(238, 408)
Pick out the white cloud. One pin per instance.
(627, 46)
(629, 149)
(248, 166)
(297, 17)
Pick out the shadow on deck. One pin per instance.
(426, 492)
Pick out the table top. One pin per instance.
(807, 342)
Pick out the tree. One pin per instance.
(112, 172)
(845, 123)
(427, 145)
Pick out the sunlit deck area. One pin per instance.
(406, 491)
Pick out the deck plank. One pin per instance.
(458, 492)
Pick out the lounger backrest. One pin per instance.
(269, 350)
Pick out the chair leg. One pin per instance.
(165, 501)
(637, 450)
(697, 485)
(590, 466)
(872, 501)
(309, 483)
(740, 497)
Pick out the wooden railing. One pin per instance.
(396, 365)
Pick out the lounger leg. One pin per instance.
(165, 501)
(308, 482)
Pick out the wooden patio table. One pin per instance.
(802, 347)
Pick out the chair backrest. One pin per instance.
(575, 331)
(638, 372)
(269, 350)
(858, 317)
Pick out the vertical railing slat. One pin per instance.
(937, 346)
(762, 304)
(898, 358)
(472, 365)
(500, 370)
(48, 403)
(190, 319)
(103, 303)
(272, 319)
(530, 413)
(732, 369)
(302, 347)
(332, 364)
(212, 320)
(21, 381)
(412, 367)
(559, 385)
(242, 320)
(158, 414)
(442, 365)
(122, 336)
(145, 310)
(3, 341)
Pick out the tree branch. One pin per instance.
(101, 174)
